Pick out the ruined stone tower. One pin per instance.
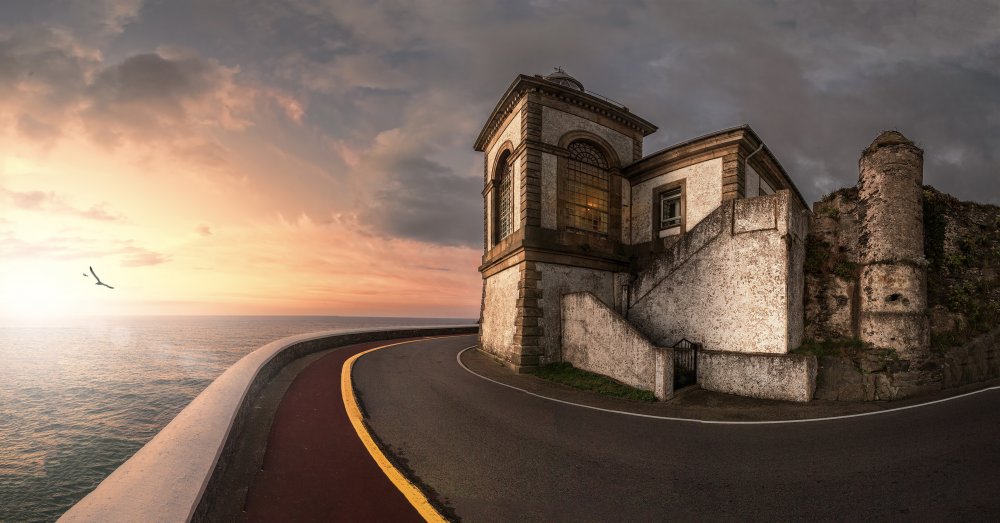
(893, 288)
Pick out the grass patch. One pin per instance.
(566, 374)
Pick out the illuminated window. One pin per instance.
(584, 190)
(503, 199)
(670, 208)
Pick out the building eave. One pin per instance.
(741, 135)
(524, 84)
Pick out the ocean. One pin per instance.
(79, 397)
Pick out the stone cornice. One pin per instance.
(743, 136)
(523, 84)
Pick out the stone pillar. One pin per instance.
(893, 285)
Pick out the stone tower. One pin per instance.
(893, 284)
(553, 199)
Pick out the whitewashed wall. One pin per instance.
(497, 330)
(556, 123)
(738, 289)
(595, 338)
(703, 195)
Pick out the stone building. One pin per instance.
(619, 262)
(598, 255)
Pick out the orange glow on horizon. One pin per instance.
(174, 237)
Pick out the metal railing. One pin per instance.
(685, 363)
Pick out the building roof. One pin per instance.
(574, 92)
(712, 141)
(560, 77)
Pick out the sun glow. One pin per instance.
(39, 291)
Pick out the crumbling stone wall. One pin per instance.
(962, 245)
(934, 292)
(893, 296)
(831, 268)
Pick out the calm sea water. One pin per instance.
(80, 397)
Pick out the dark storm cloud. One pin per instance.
(149, 96)
(817, 80)
(427, 201)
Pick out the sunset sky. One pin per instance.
(309, 157)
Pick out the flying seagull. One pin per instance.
(99, 282)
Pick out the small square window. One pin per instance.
(670, 208)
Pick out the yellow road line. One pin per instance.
(412, 493)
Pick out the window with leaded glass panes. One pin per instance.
(503, 199)
(584, 190)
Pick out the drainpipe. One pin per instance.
(746, 162)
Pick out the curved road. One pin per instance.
(490, 453)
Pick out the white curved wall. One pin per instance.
(166, 478)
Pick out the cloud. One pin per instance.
(50, 202)
(203, 230)
(370, 108)
(153, 97)
(139, 257)
(170, 100)
(424, 200)
(72, 247)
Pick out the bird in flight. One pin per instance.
(99, 282)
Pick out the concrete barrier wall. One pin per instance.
(789, 377)
(595, 338)
(169, 478)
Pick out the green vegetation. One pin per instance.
(821, 259)
(845, 269)
(962, 246)
(566, 374)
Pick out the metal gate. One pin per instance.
(685, 363)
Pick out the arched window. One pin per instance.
(503, 199)
(584, 190)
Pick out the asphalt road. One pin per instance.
(490, 453)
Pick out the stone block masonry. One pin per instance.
(893, 281)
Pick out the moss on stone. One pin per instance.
(962, 247)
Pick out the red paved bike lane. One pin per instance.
(316, 468)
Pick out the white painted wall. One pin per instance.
(557, 280)
(736, 287)
(595, 338)
(549, 194)
(497, 330)
(511, 131)
(751, 184)
(556, 123)
(704, 194)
